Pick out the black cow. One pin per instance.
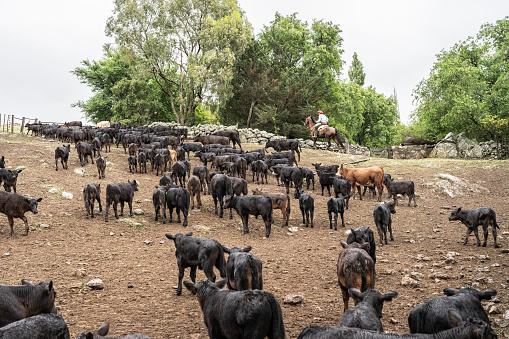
(291, 175)
(383, 221)
(178, 198)
(96, 146)
(106, 142)
(191, 147)
(241, 167)
(194, 188)
(431, 315)
(84, 150)
(330, 168)
(204, 157)
(120, 193)
(40, 326)
(469, 328)
(159, 201)
(284, 145)
(307, 206)
(276, 171)
(104, 329)
(238, 314)
(92, 192)
(342, 187)
(336, 206)
(259, 167)
(166, 179)
(233, 135)
(22, 301)
(473, 218)
(309, 176)
(367, 312)
(178, 171)
(202, 172)
(326, 179)
(399, 187)
(220, 186)
(362, 235)
(196, 253)
(282, 155)
(251, 204)
(10, 178)
(243, 269)
(142, 162)
(101, 166)
(133, 163)
(239, 187)
(61, 153)
(14, 206)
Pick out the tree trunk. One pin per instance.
(250, 112)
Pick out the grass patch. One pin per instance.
(137, 227)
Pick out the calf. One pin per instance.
(367, 312)
(336, 206)
(14, 206)
(230, 167)
(202, 172)
(330, 168)
(84, 150)
(220, 186)
(233, 135)
(191, 147)
(274, 162)
(399, 187)
(284, 145)
(133, 149)
(166, 179)
(280, 201)
(132, 163)
(238, 314)
(61, 153)
(212, 139)
(355, 269)
(306, 205)
(363, 235)
(196, 253)
(251, 204)
(104, 329)
(259, 167)
(431, 316)
(194, 186)
(239, 187)
(101, 166)
(159, 201)
(120, 193)
(365, 177)
(309, 176)
(241, 164)
(142, 162)
(291, 175)
(326, 179)
(106, 142)
(473, 218)
(383, 221)
(283, 155)
(40, 326)
(204, 157)
(276, 171)
(92, 192)
(178, 198)
(96, 146)
(243, 269)
(342, 187)
(178, 172)
(10, 178)
(469, 328)
(22, 301)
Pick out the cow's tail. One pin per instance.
(221, 263)
(257, 283)
(338, 138)
(277, 325)
(494, 218)
(288, 207)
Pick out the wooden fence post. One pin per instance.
(3, 125)
(12, 124)
(22, 125)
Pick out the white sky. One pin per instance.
(396, 40)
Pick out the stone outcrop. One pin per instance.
(258, 137)
(410, 151)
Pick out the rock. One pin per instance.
(147, 242)
(493, 309)
(6, 254)
(293, 229)
(138, 211)
(506, 315)
(79, 273)
(80, 171)
(20, 168)
(201, 228)
(96, 284)
(53, 190)
(293, 299)
(502, 323)
(407, 281)
(67, 195)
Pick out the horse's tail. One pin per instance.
(338, 138)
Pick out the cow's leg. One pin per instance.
(469, 231)
(11, 224)
(115, 208)
(220, 206)
(231, 213)
(485, 226)
(311, 216)
(107, 209)
(245, 225)
(342, 220)
(268, 225)
(181, 276)
(215, 203)
(178, 214)
(330, 220)
(494, 232)
(56, 164)
(303, 215)
(390, 230)
(198, 198)
(26, 224)
(346, 297)
(91, 207)
(185, 212)
(476, 233)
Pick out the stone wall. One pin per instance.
(410, 151)
(459, 146)
(258, 137)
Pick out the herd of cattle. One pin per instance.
(244, 310)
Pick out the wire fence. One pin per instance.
(9, 123)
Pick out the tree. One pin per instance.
(468, 86)
(356, 71)
(188, 46)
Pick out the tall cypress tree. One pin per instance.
(356, 71)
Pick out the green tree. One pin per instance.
(468, 86)
(188, 46)
(356, 71)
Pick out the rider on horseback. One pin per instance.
(322, 120)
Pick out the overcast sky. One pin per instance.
(41, 42)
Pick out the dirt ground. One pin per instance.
(138, 267)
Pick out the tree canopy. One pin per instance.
(356, 71)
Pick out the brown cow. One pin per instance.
(365, 177)
(279, 201)
(355, 269)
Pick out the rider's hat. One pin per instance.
(320, 112)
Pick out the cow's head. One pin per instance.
(133, 183)
(455, 214)
(484, 295)
(32, 204)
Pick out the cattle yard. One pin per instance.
(137, 263)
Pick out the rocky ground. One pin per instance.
(137, 266)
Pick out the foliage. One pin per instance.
(356, 71)
(188, 46)
(468, 86)
(284, 74)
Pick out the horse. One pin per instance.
(326, 132)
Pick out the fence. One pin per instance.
(8, 121)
